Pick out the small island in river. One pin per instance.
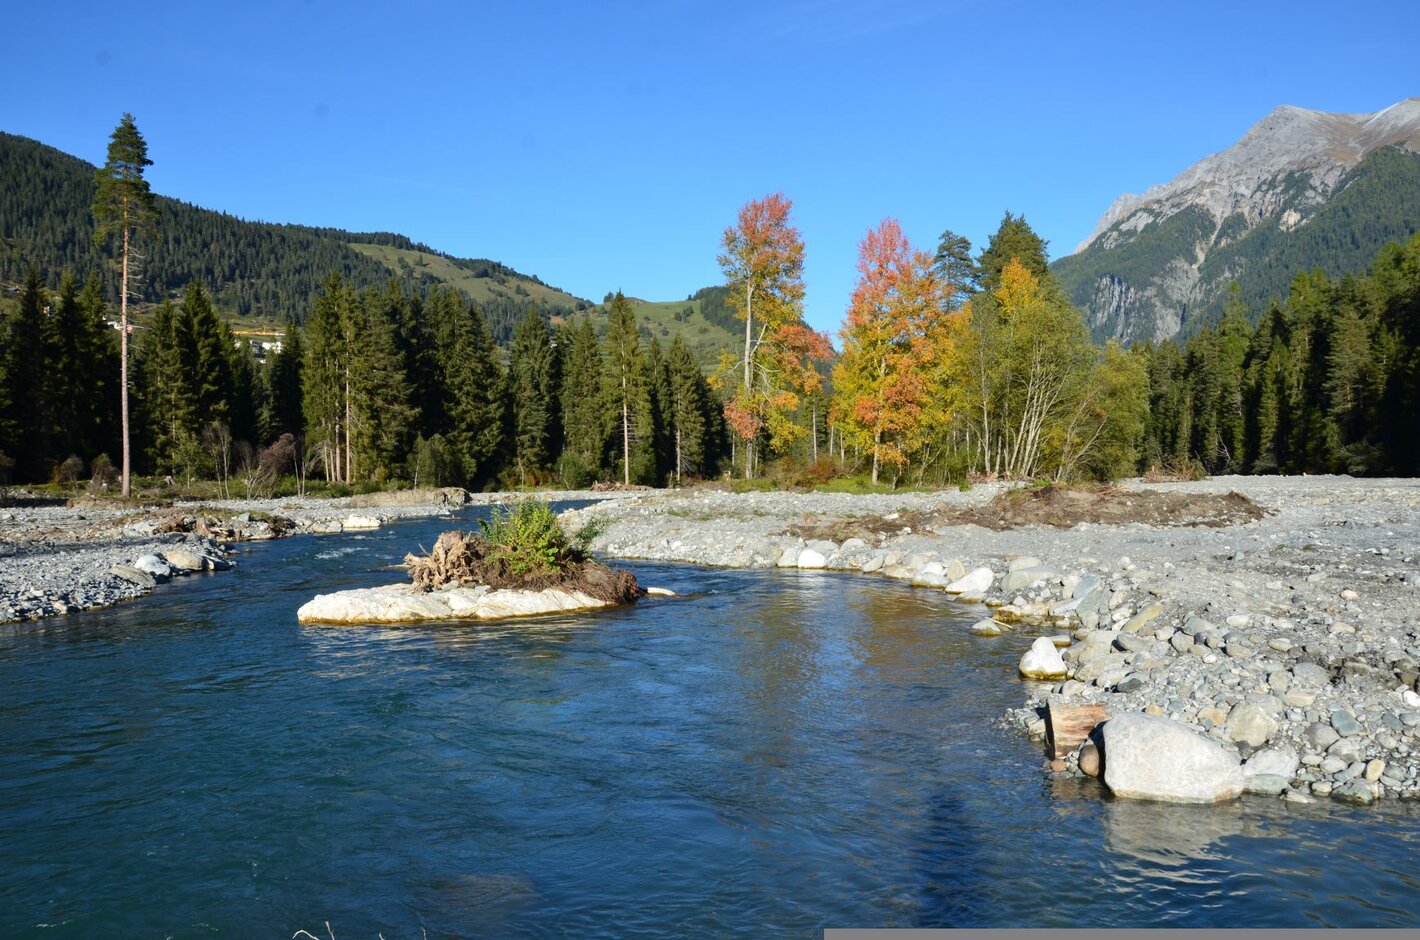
(521, 564)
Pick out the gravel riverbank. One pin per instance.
(57, 559)
(1291, 641)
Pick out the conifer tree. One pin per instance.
(164, 366)
(124, 207)
(325, 378)
(29, 403)
(627, 393)
(658, 378)
(471, 379)
(284, 412)
(584, 419)
(690, 402)
(382, 419)
(77, 352)
(530, 378)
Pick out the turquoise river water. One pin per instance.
(772, 754)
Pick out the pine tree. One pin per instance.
(689, 403)
(585, 425)
(124, 206)
(530, 380)
(165, 362)
(382, 420)
(29, 385)
(284, 411)
(627, 393)
(1014, 238)
(471, 379)
(658, 378)
(77, 353)
(956, 268)
(325, 380)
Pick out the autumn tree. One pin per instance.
(763, 263)
(124, 207)
(881, 382)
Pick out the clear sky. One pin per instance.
(607, 145)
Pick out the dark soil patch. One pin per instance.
(1059, 506)
(466, 558)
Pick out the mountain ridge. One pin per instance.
(1159, 262)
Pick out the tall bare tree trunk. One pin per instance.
(127, 484)
(877, 443)
(677, 456)
(349, 463)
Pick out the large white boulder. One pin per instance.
(976, 581)
(811, 558)
(1042, 661)
(405, 603)
(1150, 757)
(361, 522)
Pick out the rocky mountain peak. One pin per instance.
(1290, 138)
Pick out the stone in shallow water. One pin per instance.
(976, 581)
(1148, 757)
(404, 603)
(811, 558)
(986, 628)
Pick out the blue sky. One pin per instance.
(607, 145)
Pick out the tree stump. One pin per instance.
(1068, 726)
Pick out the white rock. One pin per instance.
(932, 574)
(153, 565)
(660, 592)
(789, 557)
(976, 581)
(1023, 561)
(811, 558)
(1279, 760)
(1042, 661)
(986, 628)
(404, 603)
(361, 522)
(1149, 757)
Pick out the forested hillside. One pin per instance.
(254, 270)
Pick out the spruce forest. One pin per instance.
(950, 366)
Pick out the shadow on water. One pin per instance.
(771, 752)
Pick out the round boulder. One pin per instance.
(1150, 757)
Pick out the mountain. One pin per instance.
(1301, 190)
(258, 272)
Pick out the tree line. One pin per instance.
(1328, 381)
(952, 366)
(379, 386)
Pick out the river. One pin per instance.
(773, 753)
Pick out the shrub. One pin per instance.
(102, 474)
(71, 469)
(527, 538)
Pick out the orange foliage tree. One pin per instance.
(763, 263)
(883, 388)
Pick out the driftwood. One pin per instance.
(1068, 726)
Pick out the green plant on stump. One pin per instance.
(527, 538)
(522, 546)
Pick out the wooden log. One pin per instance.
(1067, 726)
